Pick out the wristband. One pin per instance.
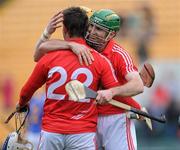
(45, 36)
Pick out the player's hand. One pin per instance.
(136, 116)
(142, 117)
(55, 22)
(83, 53)
(20, 109)
(104, 96)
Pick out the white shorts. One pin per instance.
(116, 132)
(55, 141)
(33, 138)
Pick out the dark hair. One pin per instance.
(75, 21)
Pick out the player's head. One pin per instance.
(103, 26)
(75, 22)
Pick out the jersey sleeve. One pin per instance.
(108, 78)
(124, 63)
(35, 81)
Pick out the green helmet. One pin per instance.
(106, 18)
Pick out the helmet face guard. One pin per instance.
(96, 41)
(14, 141)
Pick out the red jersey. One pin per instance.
(122, 64)
(58, 68)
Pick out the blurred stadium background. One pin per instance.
(22, 22)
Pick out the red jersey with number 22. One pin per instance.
(58, 68)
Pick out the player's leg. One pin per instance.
(84, 141)
(50, 141)
(118, 132)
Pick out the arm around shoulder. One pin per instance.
(51, 45)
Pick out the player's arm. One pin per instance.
(35, 81)
(133, 86)
(54, 23)
(50, 45)
(45, 45)
(83, 52)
